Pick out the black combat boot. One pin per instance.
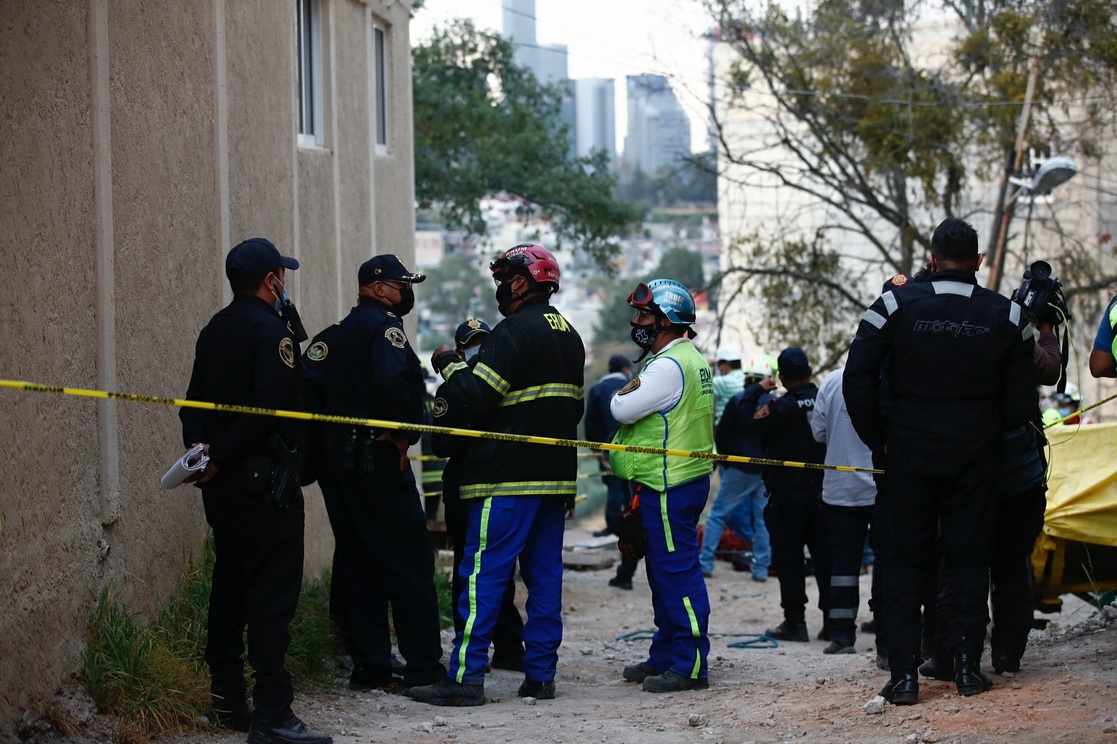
(968, 675)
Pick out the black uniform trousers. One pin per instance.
(508, 634)
(796, 520)
(343, 572)
(919, 493)
(848, 526)
(392, 561)
(1019, 522)
(256, 582)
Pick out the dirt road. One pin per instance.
(1066, 691)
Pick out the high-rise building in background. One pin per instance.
(658, 128)
(547, 62)
(595, 107)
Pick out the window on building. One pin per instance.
(378, 77)
(309, 52)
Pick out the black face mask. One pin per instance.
(406, 302)
(644, 336)
(505, 297)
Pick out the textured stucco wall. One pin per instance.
(142, 140)
(49, 498)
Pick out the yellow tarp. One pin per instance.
(1082, 483)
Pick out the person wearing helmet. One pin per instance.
(508, 633)
(526, 379)
(1062, 406)
(669, 404)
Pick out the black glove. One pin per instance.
(633, 538)
(444, 360)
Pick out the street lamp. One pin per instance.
(1051, 173)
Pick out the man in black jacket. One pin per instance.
(248, 355)
(372, 372)
(527, 379)
(794, 514)
(508, 633)
(937, 373)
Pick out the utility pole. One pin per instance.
(1006, 204)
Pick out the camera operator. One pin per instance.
(1041, 297)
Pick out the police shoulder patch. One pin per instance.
(440, 407)
(762, 412)
(632, 385)
(287, 352)
(899, 280)
(396, 337)
(317, 351)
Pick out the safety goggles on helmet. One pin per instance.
(502, 266)
(642, 298)
(532, 260)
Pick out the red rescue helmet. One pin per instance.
(539, 262)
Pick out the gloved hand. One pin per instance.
(444, 356)
(632, 537)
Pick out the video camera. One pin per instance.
(1041, 296)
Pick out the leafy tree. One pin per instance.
(683, 266)
(455, 290)
(884, 140)
(484, 125)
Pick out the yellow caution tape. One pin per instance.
(423, 428)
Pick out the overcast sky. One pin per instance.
(608, 38)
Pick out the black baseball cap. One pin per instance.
(468, 330)
(253, 259)
(386, 267)
(617, 362)
(793, 363)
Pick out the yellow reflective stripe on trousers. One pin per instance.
(553, 390)
(471, 588)
(697, 633)
(519, 488)
(489, 375)
(663, 493)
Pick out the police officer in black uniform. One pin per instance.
(794, 514)
(372, 372)
(248, 355)
(938, 372)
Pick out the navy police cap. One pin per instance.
(255, 258)
(386, 267)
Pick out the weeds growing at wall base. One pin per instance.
(151, 674)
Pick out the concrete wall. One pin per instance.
(143, 140)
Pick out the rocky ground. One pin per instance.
(1066, 690)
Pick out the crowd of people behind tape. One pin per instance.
(936, 409)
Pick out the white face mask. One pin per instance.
(470, 352)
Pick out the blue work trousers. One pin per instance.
(680, 605)
(502, 528)
(739, 503)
